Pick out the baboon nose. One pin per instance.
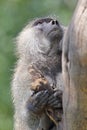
(55, 22)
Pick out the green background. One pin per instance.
(14, 15)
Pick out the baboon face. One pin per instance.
(41, 36)
(49, 27)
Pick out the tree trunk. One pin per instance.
(75, 70)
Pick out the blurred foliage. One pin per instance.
(14, 14)
(70, 3)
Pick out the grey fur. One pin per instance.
(35, 46)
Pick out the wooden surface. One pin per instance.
(75, 70)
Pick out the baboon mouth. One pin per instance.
(54, 30)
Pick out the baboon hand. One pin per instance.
(38, 101)
(55, 100)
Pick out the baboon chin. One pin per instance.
(37, 80)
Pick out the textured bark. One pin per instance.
(75, 70)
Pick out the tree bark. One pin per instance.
(75, 70)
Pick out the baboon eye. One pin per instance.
(40, 22)
(37, 22)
